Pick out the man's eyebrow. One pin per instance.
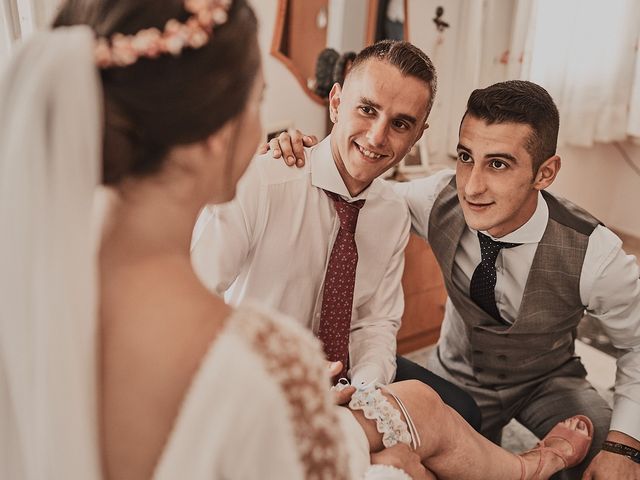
(462, 147)
(506, 156)
(407, 118)
(369, 102)
(401, 116)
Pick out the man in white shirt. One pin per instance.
(274, 243)
(521, 266)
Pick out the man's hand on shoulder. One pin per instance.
(289, 146)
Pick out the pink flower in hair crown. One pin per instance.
(124, 50)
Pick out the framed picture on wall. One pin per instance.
(416, 161)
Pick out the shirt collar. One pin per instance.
(325, 174)
(532, 230)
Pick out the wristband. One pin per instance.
(622, 449)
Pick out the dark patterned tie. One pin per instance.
(483, 281)
(339, 282)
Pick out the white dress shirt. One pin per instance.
(271, 244)
(609, 285)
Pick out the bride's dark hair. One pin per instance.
(158, 103)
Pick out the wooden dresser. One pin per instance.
(424, 297)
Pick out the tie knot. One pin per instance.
(490, 248)
(347, 211)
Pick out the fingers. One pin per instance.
(421, 473)
(274, 146)
(309, 140)
(284, 145)
(262, 149)
(587, 475)
(403, 457)
(341, 397)
(297, 145)
(334, 368)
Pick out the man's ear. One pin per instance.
(334, 101)
(547, 173)
(420, 132)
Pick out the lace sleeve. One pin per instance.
(294, 360)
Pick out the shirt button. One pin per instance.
(502, 357)
(502, 376)
(478, 352)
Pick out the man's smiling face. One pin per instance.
(379, 114)
(494, 175)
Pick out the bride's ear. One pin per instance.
(201, 156)
(218, 143)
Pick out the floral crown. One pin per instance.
(124, 50)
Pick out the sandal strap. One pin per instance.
(540, 449)
(523, 468)
(555, 451)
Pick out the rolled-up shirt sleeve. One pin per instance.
(374, 330)
(610, 291)
(420, 195)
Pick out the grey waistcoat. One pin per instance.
(540, 343)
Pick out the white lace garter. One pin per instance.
(375, 406)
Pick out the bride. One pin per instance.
(115, 362)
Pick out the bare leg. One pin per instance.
(450, 448)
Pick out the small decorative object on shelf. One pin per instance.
(441, 25)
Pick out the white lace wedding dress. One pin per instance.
(259, 408)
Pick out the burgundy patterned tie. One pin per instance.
(339, 282)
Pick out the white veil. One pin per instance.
(50, 150)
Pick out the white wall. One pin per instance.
(600, 180)
(284, 99)
(423, 34)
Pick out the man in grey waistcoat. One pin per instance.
(521, 266)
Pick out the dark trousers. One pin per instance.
(452, 395)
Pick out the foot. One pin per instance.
(565, 446)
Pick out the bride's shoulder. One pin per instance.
(278, 339)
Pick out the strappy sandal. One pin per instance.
(579, 442)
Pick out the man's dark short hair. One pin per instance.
(519, 101)
(409, 59)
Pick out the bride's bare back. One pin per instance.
(156, 323)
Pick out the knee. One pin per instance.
(429, 399)
(417, 396)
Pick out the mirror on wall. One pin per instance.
(306, 28)
(299, 36)
(386, 20)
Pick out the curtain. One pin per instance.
(20, 18)
(583, 52)
(486, 42)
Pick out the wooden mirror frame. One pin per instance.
(276, 44)
(372, 21)
(281, 29)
